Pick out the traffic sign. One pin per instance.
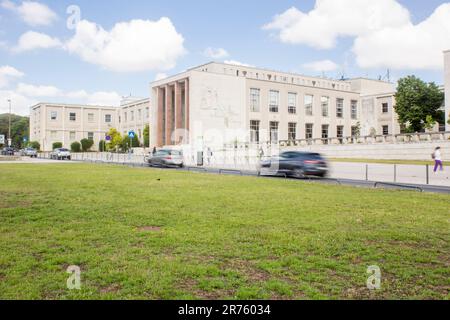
(131, 134)
(25, 139)
(108, 139)
(2, 139)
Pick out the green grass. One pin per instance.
(406, 162)
(218, 237)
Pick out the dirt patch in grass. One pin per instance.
(112, 288)
(149, 229)
(15, 204)
(191, 286)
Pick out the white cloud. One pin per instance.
(321, 66)
(215, 53)
(32, 40)
(408, 47)
(7, 73)
(330, 19)
(160, 76)
(137, 45)
(38, 91)
(237, 63)
(103, 98)
(32, 13)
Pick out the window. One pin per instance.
(53, 115)
(108, 118)
(91, 117)
(325, 102)
(254, 131)
(292, 103)
(385, 130)
(340, 133)
(340, 108)
(254, 99)
(147, 113)
(125, 116)
(385, 107)
(325, 132)
(91, 136)
(274, 98)
(309, 131)
(292, 131)
(139, 114)
(354, 104)
(72, 116)
(73, 135)
(355, 132)
(274, 132)
(132, 115)
(309, 105)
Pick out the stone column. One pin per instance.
(169, 114)
(160, 118)
(187, 110)
(178, 112)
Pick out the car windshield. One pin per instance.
(63, 150)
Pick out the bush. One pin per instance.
(102, 146)
(125, 145)
(86, 144)
(75, 147)
(35, 145)
(57, 145)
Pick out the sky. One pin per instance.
(96, 52)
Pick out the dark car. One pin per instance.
(166, 158)
(8, 151)
(295, 164)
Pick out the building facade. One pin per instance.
(67, 123)
(447, 89)
(216, 104)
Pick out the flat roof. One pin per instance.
(55, 104)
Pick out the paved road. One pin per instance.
(28, 160)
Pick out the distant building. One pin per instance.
(67, 123)
(447, 89)
(220, 104)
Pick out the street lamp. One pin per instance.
(9, 129)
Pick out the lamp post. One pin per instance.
(9, 126)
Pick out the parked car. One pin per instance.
(60, 154)
(166, 158)
(29, 152)
(295, 164)
(8, 151)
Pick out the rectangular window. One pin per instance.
(72, 116)
(309, 131)
(354, 104)
(292, 131)
(325, 102)
(309, 104)
(325, 131)
(73, 135)
(385, 107)
(355, 132)
(108, 118)
(255, 95)
(254, 131)
(340, 133)
(139, 114)
(274, 98)
(132, 115)
(292, 103)
(125, 116)
(385, 130)
(274, 132)
(340, 108)
(91, 117)
(91, 136)
(147, 113)
(53, 115)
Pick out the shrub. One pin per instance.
(75, 147)
(102, 146)
(86, 144)
(57, 145)
(125, 145)
(35, 145)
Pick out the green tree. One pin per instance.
(125, 145)
(102, 146)
(57, 145)
(116, 139)
(35, 145)
(75, 147)
(147, 136)
(19, 129)
(415, 101)
(86, 144)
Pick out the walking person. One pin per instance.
(437, 156)
(154, 151)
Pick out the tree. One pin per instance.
(147, 136)
(35, 145)
(86, 144)
(116, 139)
(417, 100)
(57, 145)
(19, 129)
(75, 147)
(125, 145)
(102, 146)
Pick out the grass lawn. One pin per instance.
(406, 162)
(151, 234)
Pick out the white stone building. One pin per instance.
(447, 89)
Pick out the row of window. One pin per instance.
(292, 131)
(132, 118)
(274, 103)
(72, 135)
(73, 117)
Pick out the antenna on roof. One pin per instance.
(387, 77)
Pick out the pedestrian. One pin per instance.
(437, 156)
(154, 151)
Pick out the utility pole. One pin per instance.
(9, 127)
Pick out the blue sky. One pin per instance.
(55, 73)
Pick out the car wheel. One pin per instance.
(299, 173)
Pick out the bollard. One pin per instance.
(367, 172)
(428, 173)
(395, 173)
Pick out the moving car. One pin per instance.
(29, 152)
(166, 158)
(8, 151)
(60, 154)
(295, 164)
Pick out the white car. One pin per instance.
(29, 152)
(60, 154)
